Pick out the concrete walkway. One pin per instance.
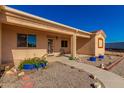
(109, 79)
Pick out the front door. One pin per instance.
(50, 46)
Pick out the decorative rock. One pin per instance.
(14, 70)
(97, 85)
(102, 66)
(21, 74)
(72, 67)
(79, 60)
(110, 63)
(110, 57)
(92, 76)
(7, 68)
(9, 72)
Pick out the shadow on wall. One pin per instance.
(84, 46)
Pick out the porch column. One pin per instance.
(0, 43)
(73, 45)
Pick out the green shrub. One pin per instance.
(36, 61)
(71, 58)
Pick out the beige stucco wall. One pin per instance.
(57, 42)
(90, 46)
(99, 51)
(11, 52)
(73, 45)
(85, 46)
(0, 42)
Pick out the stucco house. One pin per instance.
(23, 35)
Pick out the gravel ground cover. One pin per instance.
(119, 69)
(106, 61)
(56, 75)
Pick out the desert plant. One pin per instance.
(26, 61)
(33, 61)
(72, 58)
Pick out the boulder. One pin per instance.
(10, 72)
(92, 76)
(7, 68)
(97, 85)
(14, 70)
(102, 66)
(21, 74)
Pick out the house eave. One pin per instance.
(36, 18)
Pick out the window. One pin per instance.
(64, 43)
(31, 40)
(100, 43)
(24, 40)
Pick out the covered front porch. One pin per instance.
(49, 37)
(51, 43)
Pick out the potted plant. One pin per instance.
(92, 59)
(101, 57)
(34, 63)
(43, 63)
(27, 64)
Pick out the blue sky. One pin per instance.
(88, 18)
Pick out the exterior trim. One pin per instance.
(18, 12)
(100, 40)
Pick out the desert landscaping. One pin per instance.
(108, 59)
(53, 76)
(59, 75)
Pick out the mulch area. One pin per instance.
(56, 75)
